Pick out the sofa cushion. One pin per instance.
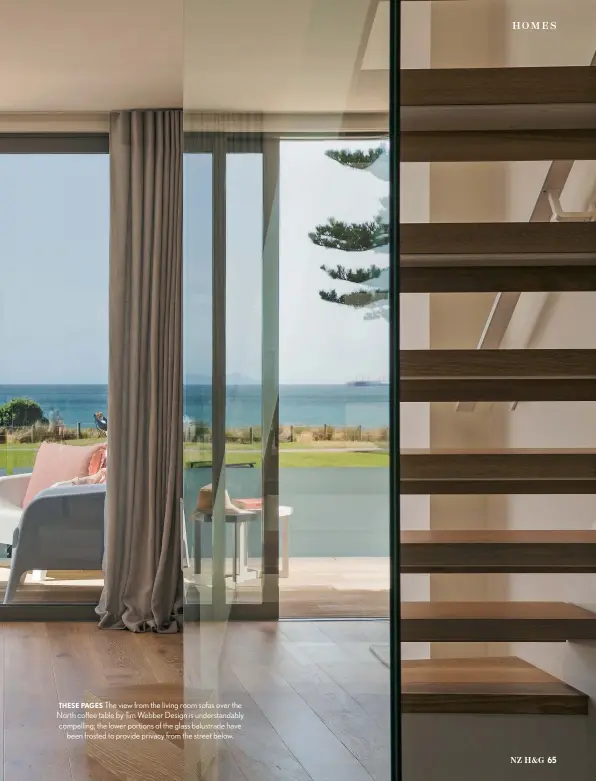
(55, 463)
(98, 459)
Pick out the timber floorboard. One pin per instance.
(309, 692)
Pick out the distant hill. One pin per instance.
(205, 379)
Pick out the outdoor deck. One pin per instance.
(316, 588)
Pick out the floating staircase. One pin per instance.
(490, 115)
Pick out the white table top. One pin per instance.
(243, 515)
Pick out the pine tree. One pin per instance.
(373, 281)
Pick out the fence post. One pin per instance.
(78, 431)
(291, 433)
(251, 435)
(325, 432)
(359, 433)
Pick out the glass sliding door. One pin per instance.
(279, 288)
(197, 352)
(54, 231)
(334, 370)
(231, 491)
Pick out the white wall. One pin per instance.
(479, 747)
(571, 323)
(573, 42)
(415, 433)
(464, 35)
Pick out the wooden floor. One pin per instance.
(342, 587)
(315, 700)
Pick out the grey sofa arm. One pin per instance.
(63, 529)
(76, 506)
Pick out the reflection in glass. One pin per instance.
(334, 367)
(198, 351)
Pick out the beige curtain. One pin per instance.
(143, 577)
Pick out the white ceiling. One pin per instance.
(281, 55)
(90, 55)
(208, 55)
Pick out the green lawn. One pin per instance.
(338, 459)
(315, 459)
(292, 455)
(23, 455)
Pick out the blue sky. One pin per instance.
(319, 342)
(54, 239)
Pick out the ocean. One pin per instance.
(299, 405)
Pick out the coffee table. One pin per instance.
(241, 572)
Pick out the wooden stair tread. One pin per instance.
(502, 536)
(458, 114)
(530, 243)
(437, 390)
(495, 622)
(505, 550)
(504, 145)
(493, 257)
(486, 685)
(497, 375)
(526, 86)
(526, 611)
(498, 471)
(504, 389)
(480, 463)
(502, 451)
(493, 364)
(491, 276)
(484, 145)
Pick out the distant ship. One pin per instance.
(366, 383)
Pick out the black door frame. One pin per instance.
(394, 341)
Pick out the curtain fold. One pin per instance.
(143, 577)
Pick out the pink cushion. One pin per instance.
(98, 459)
(55, 463)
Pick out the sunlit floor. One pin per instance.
(336, 587)
(314, 588)
(315, 701)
